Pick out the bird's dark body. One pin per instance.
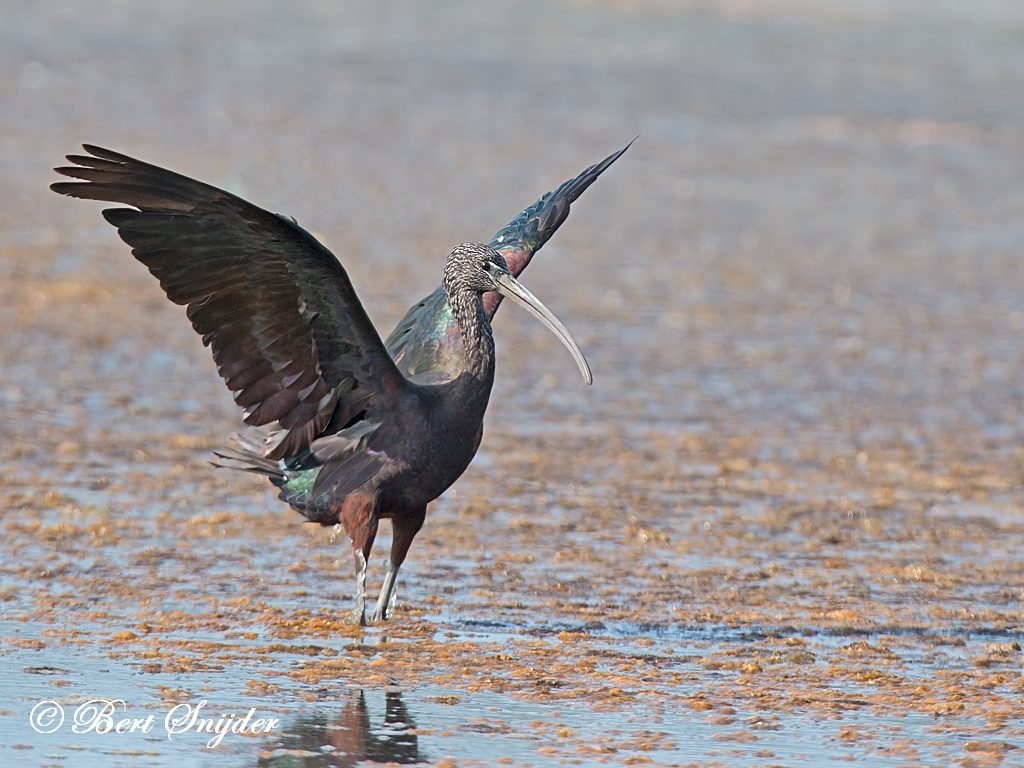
(354, 430)
(448, 440)
(433, 445)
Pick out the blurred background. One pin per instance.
(801, 292)
(832, 186)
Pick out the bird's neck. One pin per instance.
(477, 341)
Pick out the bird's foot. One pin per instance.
(358, 616)
(382, 612)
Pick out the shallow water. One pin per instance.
(782, 528)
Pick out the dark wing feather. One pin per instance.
(522, 237)
(277, 309)
(427, 343)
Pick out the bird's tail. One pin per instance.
(249, 457)
(296, 483)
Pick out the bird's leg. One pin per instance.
(387, 595)
(359, 614)
(405, 527)
(359, 516)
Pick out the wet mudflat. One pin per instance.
(782, 528)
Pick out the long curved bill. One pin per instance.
(507, 285)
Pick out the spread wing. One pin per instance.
(287, 331)
(427, 343)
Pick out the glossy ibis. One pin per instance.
(353, 429)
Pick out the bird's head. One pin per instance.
(475, 269)
(470, 267)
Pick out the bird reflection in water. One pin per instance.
(352, 737)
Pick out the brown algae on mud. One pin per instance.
(738, 621)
